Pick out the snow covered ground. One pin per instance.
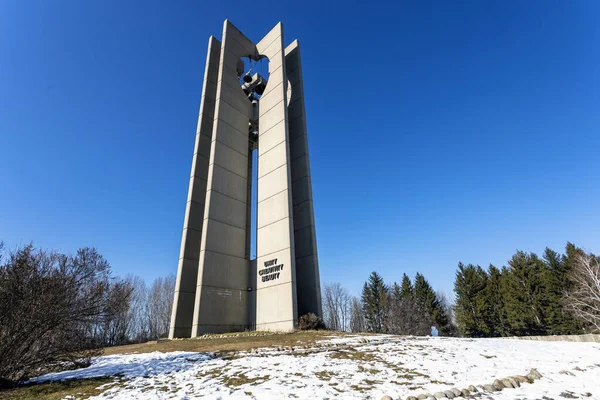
(353, 367)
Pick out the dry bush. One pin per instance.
(310, 322)
(51, 306)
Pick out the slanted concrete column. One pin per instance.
(308, 283)
(187, 271)
(222, 285)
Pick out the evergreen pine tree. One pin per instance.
(374, 302)
(427, 300)
(396, 292)
(522, 295)
(496, 319)
(471, 306)
(407, 289)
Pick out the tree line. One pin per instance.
(408, 308)
(555, 294)
(61, 309)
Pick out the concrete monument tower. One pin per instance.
(219, 287)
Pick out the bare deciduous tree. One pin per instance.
(139, 327)
(117, 326)
(584, 297)
(48, 302)
(158, 306)
(357, 318)
(405, 317)
(336, 307)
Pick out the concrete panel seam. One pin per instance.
(243, 46)
(220, 166)
(273, 170)
(300, 156)
(272, 286)
(226, 195)
(232, 107)
(184, 291)
(232, 127)
(267, 90)
(224, 223)
(272, 148)
(274, 322)
(307, 256)
(208, 136)
(273, 252)
(306, 175)
(301, 203)
(192, 229)
(312, 225)
(240, 112)
(223, 254)
(271, 223)
(223, 287)
(233, 88)
(274, 87)
(281, 191)
(296, 117)
(274, 125)
(294, 102)
(226, 145)
(189, 259)
(275, 105)
(195, 202)
(267, 173)
(291, 71)
(270, 43)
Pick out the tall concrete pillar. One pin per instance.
(189, 256)
(219, 287)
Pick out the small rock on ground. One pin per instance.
(498, 385)
(535, 374)
(522, 379)
(515, 383)
(564, 372)
(489, 388)
(507, 384)
(439, 395)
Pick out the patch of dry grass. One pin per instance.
(241, 341)
(80, 388)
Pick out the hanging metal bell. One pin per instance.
(260, 89)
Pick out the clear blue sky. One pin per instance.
(439, 131)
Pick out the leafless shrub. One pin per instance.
(48, 304)
(584, 297)
(310, 322)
